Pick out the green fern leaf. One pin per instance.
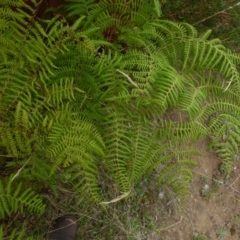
(14, 235)
(14, 200)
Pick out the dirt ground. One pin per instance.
(213, 209)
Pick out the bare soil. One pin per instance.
(213, 207)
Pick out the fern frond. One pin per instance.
(117, 140)
(83, 175)
(14, 199)
(225, 138)
(61, 91)
(78, 144)
(14, 235)
(66, 144)
(186, 131)
(146, 151)
(191, 101)
(178, 175)
(17, 138)
(114, 18)
(181, 43)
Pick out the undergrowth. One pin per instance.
(222, 16)
(98, 97)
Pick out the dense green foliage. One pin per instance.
(105, 95)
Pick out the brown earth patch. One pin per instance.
(212, 209)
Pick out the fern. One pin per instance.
(109, 85)
(177, 175)
(15, 235)
(67, 148)
(146, 152)
(16, 200)
(225, 138)
(117, 140)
